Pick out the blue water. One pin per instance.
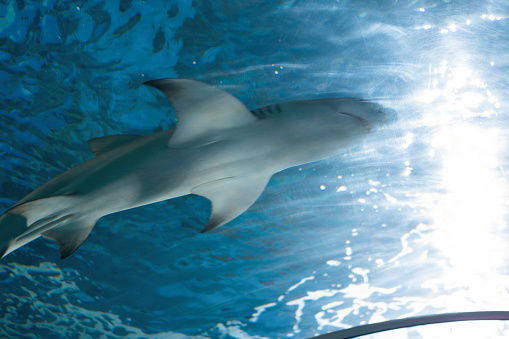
(410, 222)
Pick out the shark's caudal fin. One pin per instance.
(11, 226)
(46, 217)
(230, 197)
(39, 209)
(201, 109)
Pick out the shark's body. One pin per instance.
(218, 150)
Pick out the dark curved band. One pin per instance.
(415, 321)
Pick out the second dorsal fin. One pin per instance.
(104, 144)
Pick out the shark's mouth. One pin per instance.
(364, 122)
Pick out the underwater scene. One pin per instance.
(328, 225)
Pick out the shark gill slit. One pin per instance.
(265, 112)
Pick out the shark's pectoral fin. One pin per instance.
(104, 144)
(230, 197)
(71, 234)
(201, 109)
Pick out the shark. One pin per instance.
(218, 149)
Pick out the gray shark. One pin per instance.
(218, 149)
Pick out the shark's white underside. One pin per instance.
(218, 150)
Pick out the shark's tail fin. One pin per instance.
(47, 217)
(11, 226)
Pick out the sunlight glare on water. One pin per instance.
(469, 215)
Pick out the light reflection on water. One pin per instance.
(469, 216)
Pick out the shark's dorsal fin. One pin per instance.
(104, 144)
(230, 197)
(71, 234)
(201, 109)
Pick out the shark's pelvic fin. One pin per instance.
(105, 144)
(70, 234)
(200, 109)
(230, 197)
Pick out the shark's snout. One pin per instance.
(376, 114)
(361, 120)
(369, 113)
(387, 115)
